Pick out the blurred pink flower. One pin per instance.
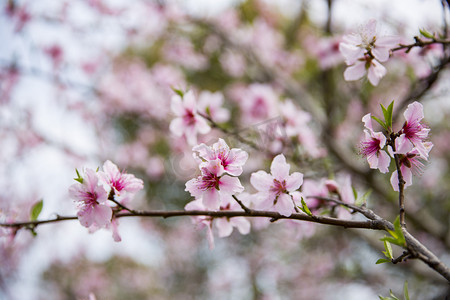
(225, 225)
(364, 51)
(187, 123)
(210, 104)
(91, 198)
(275, 188)
(202, 221)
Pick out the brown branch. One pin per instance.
(420, 43)
(370, 224)
(416, 249)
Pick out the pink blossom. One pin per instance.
(364, 51)
(410, 160)
(212, 186)
(372, 147)
(225, 225)
(210, 104)
(188, 123)
(202, 221)
(123, 185)
(91, 198)
(258, 102)
(56, 54)
(275, 188)
(296, 125)
(231, 160)
(413, 130)
(375, 70)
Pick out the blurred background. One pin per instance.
(89, 80)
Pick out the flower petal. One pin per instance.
(356, 71)
(261, 181)
(294, 181)
(284, 205)
(279, 168)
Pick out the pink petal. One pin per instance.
(389, 41)
(279, 168)
(102, 215)
(177, 126)
(381, 54)
(294, 181)
(242, 224)
(356, 71)
(351, 53)
(384, 161)
(261, 181)
(263, 200)
(177, 105)
(211, 199)
(371, 28)
(189, 101)
(224, 227)
(367, 119)
(230, 185)
(414, 112)
(284, 205)
(201, 125)
(403, 145)
(204, 152)
(193, 187)
(394, 180)
(85, 216)
(407, 175)
(376, 72)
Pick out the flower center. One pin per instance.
(278, 187)
(369, 148)
(209, 181)
(189, 117)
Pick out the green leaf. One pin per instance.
(355, 193)
(382, 261)
(392, 295)
(380, 122)
(405, 291)
(397, 236)
(79, 178)
(388, 252)
(426, 34)
(363, 199)
(305, 208)
(178, 91)
(36, 210)
(388, 115)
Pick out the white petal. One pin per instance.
(261, 181)
(279, 168)
(284, 205)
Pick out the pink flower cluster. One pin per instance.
(94, 189)
(216, 185)
(410, 145)
(365, 51)
(219, 167)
